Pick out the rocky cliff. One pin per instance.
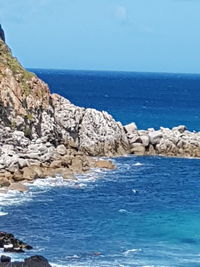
(26, 105)
(44, 130)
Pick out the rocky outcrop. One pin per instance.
(43, 134)
(34, 261)
(11, 244)
(93, 132)
(27, 106)
(176, 142)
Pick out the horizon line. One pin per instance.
(115, 71)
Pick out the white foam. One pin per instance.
(8, 246)
(138, 164)
(12, 197)
(39, 186)
(3, 213)
(134, 250)
(134, 191)
(48, 182)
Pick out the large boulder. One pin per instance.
(104, 164)
(130, 128)
(93, 132)
(36, 261)
(155, 137)
(18, 187)
(138, 149)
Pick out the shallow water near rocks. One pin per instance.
(145, 213)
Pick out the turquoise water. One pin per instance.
(144, 213)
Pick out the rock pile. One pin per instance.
(11, 244)
(176, 142)
(34, 261)
(24, 159)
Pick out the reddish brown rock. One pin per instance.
(105, 164)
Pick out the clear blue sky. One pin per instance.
(128, 35)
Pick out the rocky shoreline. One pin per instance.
(43, 134)
(175, 142)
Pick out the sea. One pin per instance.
(146, 212)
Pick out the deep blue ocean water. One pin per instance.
(144, 213)
(149, 99)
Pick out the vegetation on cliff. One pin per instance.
(8, 61)
(22, 94)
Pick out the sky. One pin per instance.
(122, 35)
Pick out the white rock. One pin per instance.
(61, 149)
(130, 128)
(145, 140)
(155, 137)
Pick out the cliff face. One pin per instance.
(23, 96)
(26, 105)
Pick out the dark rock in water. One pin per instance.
(2, 35)
(5, 259)
(10, 244)
(34, 261)
(13, 250)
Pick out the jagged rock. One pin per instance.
(145, 140)
(135, 138)
(6, 174)
(138, 149)
(18, 187)
(155, 137)
(151, 151)
(180, 128)
(23, 162)
(88, 130)
(61, 149)
(9, 243)
(105, 164)
(29, 173)
(4, 182)
(64, 172)
(56, 164)
(34, 114)
(130, 128)
(77, 164)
